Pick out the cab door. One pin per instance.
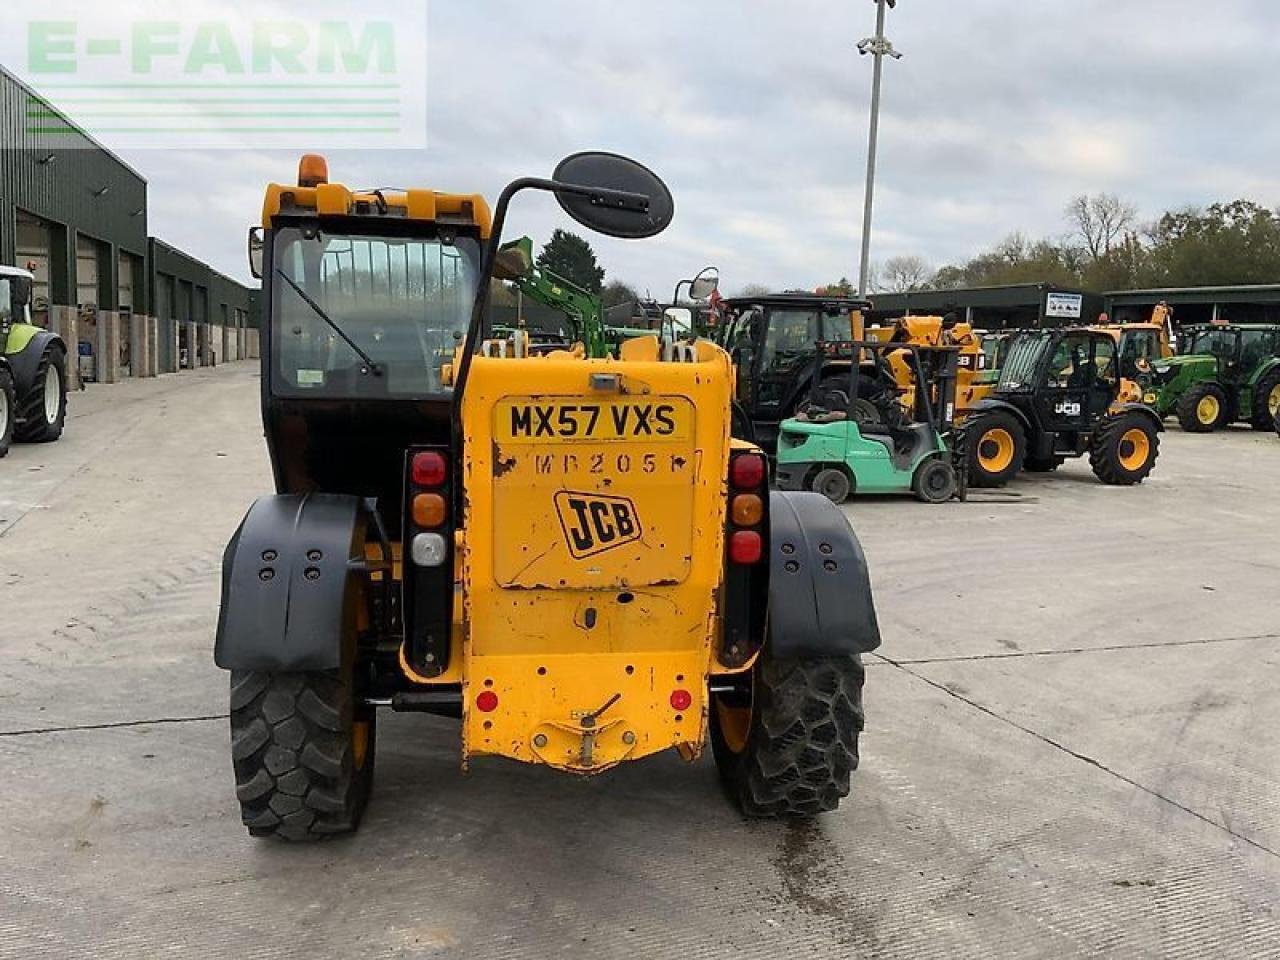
(1073, 390)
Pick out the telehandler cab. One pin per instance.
(571, 555)
(1058, 398)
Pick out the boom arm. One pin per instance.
(584, 310)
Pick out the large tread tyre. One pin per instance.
(8, 409)
(997, 449)
(1265, 395)
(802, 741)
(1123, 449)
(43, 410)
(1203, 408)
(303, 754)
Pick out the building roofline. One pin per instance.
(62, 115)
(1223, 288)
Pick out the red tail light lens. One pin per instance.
(681, 700)
(487, 701)
(430, 469)
(747, 471)
(746, 546)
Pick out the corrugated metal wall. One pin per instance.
(62, 176)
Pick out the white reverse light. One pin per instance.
(428, 550)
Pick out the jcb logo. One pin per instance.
(593, 524)
(1067, 408)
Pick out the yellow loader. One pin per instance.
(570, 556)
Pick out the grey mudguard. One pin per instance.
(289, 583)
(820, 602)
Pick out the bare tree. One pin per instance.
(903, 274)
(755, 290)
(1101, 220)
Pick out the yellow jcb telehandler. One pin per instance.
(570, 555)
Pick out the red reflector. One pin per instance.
(430, 469)
(745, 546)
(487, 701)
(746, 471)
(681, 700)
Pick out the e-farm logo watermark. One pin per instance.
(227, 74)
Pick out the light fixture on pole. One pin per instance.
(878, 47)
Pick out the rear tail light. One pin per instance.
(487, 701)
(681, 700)
(430, 469)
(745, 547)
(747, 471)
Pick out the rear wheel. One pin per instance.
(44, 407)
(303, 753)
(1123, 449)
(997, 449)
(1203, 408)
(8, 409)
(1266, 401)
(935, 482)
(790, 747)
(833, 483)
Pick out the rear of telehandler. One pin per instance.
(569, 554)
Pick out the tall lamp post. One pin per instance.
(878, 47)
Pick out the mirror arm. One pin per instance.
(600, 196)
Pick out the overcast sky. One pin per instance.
(756, 114)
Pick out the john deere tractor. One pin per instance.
(1058, 397)
(568, 555)
(33, 368)
(1221, 375)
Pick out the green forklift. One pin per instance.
(849, 450)
(33, 368)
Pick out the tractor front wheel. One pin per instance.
(1266, 401)
(1124, 448)
(8, 408)
(997, 448)
(44, 406)
(303, 753)
(789, 748)
(1203, 408)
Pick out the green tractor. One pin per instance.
(841, 449)
(33, 368)
(1224, 374)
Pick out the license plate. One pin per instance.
(534, 420)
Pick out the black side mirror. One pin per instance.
(257, 245)
(646, 215)
(21, 292)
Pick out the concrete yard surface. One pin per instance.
(1073, 741)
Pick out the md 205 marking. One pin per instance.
(593, 523)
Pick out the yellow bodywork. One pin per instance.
(931, 331)
(592, 554)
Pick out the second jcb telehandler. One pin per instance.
(1058, 397)
(570, 555)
